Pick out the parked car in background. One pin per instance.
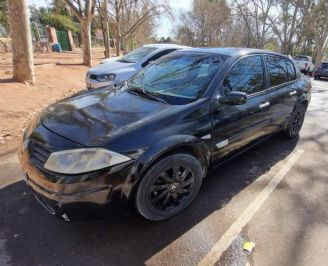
(150, 143)
(322, 71)
(116, 71)
(304, 64)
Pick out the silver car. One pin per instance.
(116, 71)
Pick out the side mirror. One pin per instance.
(234, 98)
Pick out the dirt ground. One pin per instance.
(58, 76)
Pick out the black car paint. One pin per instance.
(145, 130)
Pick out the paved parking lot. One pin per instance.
(287, 219)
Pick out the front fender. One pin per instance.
(169, 144)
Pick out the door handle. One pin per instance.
(292, 93)
(263, 105)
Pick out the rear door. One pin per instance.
(284, 89)
(235, 126)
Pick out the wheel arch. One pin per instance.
(179, 144)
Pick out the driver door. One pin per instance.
(235, 126)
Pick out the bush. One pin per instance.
(59, 22)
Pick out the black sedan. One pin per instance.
(322, 71)
(150, 143)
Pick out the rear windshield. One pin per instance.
(303, 58)
(324, 65)
(137, 55)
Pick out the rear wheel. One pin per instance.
(296, 122)
(168, 187)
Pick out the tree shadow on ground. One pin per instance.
(33, 237)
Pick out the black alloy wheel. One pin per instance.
(168, 187)
(296, 121)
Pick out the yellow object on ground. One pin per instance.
(248, 246)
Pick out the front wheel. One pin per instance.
(168, 187)
(296, 122)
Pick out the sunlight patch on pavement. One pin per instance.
(217, 250)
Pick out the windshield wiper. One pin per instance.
(148, 94)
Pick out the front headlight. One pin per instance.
(106, 77)
(82, 160)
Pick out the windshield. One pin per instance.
(178, 78)
(137, 55)
(302, 58)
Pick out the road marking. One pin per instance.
(219, 247)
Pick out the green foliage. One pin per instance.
(4, 15)
(59, 7)
(60, 22)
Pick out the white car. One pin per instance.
(304, 63)
(116, 71)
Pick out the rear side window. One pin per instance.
(290, 70)
(245, 76)
(277, 70)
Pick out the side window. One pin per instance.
(157, 56)
(290, 70)
(245, 76)
(277, 70)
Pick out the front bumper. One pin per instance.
(84, 197)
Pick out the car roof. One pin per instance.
(233, 51)
(165, 45)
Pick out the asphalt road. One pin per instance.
(289, 225)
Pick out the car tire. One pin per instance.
(168, 187)
(295, 122)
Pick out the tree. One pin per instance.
(23, 68)
(60, 22)
(316, 15)
(84, 11)
(204, 24)
(128, 15)
(287, 22)
(4, 15)
(254, 14)
(102, 10)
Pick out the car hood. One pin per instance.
(110, 59)
(91, 119)
(112, 67)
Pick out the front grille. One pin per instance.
(38, 154)
(93, 76)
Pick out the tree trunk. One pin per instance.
(106, 31)
(321, 47)
(106, 40)
(86, 42)
(20, 31)
(118, 45)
